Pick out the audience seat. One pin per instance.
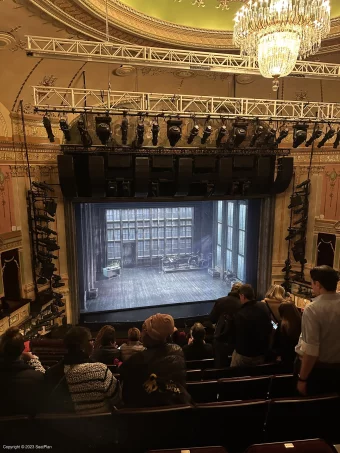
(199, 364)
(216, 373)
(299, 446)
(193, 450)
(203, 391)
(194, 375)
(16, 430)
(304, 418)
(244, 388)
(143, 429)
(234, 425)
(283, 386)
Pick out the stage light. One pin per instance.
(328, 135)
(303, 184)
(46, 230)
(50, 207)
(124, 127)
(295, 201)
(42, 186)
(65, 128)
(155, 132)
(238, 135)
(300, 134)
(47, 270)
(316, 134)
(42, 281)
(112, 189)
(48, 127)
(337, 140)
(257, 134)
(103, 129)
(283, 134)
(43, 218)
(126, 189)
(46, 256)
(193, 133)
(50, 244)
(174, 131)
(206, 134)
(140, 133)
(84, 135)
(269, 138)
(221, 134)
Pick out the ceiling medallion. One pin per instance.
(184, 74)
(245, 79)
(278, 32)
(124, 70)
(6, 40)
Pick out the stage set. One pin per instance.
(158, 256)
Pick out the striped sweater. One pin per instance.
(92, 387)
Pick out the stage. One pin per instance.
(138, 288)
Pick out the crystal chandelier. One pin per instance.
(278, 32)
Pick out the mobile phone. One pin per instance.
(275, 326)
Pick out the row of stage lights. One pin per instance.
(266, 137)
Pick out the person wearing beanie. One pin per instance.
(155, 376)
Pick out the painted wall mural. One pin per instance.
(330, 202)
(6, 200)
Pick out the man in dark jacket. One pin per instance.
(251, 330)
(157, 375)
(227, 305)
(21, 376)
(198, 349)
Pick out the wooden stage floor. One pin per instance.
(148, 287)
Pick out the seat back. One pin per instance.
(299, 446)
(16, 430)
(200, 364)
(203, 391)
(234, 425)
(304, 418)
(193, 450)
(194, 375)
(283, 386)
(215, 373)
(244, 388)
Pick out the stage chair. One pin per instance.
(244, 388)
(193, 450)
(154, 428)
(303, 418)
(283, 386)
(299, 446)
(194, 375)
(234, 425)
(204, 391)
(199, 364)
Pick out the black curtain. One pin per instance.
(252, 242)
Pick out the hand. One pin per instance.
(302, 388)
(27, 356)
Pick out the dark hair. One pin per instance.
(134, 334)
(208, 327)
(247, 291)
(12, 344)
(326, 276)
(198, 332)
(290, 320)
(76, 338)
(105, 336)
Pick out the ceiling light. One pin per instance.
(103, 129)
(277, 32)
(174, 131)
(328, 135)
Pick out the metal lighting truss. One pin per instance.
(78, 100)
(104, 52)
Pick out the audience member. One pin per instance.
(318, 360)
(227, 305)
(105, 349)
(274, 297)
(78, 384)
(209, 332)
(132, 346)
(288, 333)
(198, 349)
(251, 330)
(179, 338)
(21, 376)
(155, 376)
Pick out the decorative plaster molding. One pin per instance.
(4, 246)
(326, 226)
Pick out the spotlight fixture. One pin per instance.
(283, 134)
(328, 135)
(221, 133)
(303, 184)
(155, 132)
(295, 201)
(140, 133)
(206, 134)
(84, 135)
(337, 140)
(124, 127)
(42, 186)
(315, 135)
(50, 207)
(65, 128)
(174, 131)
(300, 134)
(48, 127)
(193, 133)
(46, 230)
(103, 128)
(257, 134)
(43, 218)
(238, 135)
(269, 138)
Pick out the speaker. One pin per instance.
(142, 176)
(184, 176)
(97, 176)
(162, 162)
(284, 175)
(225, 176)
(205, 164)
(67, 178)
(264, 175)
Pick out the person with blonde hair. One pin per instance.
(133, 344)
(273, 298)
(105, 349)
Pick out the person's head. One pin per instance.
(134, 334)
(246, 293)
(324, 279)
(157, 329)
(276, 292)
(78, 340)
(179, 338)
(12, 344)
(198, 332)
(105, 337)
(208, 327)
(236, 287)
(290, 320)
